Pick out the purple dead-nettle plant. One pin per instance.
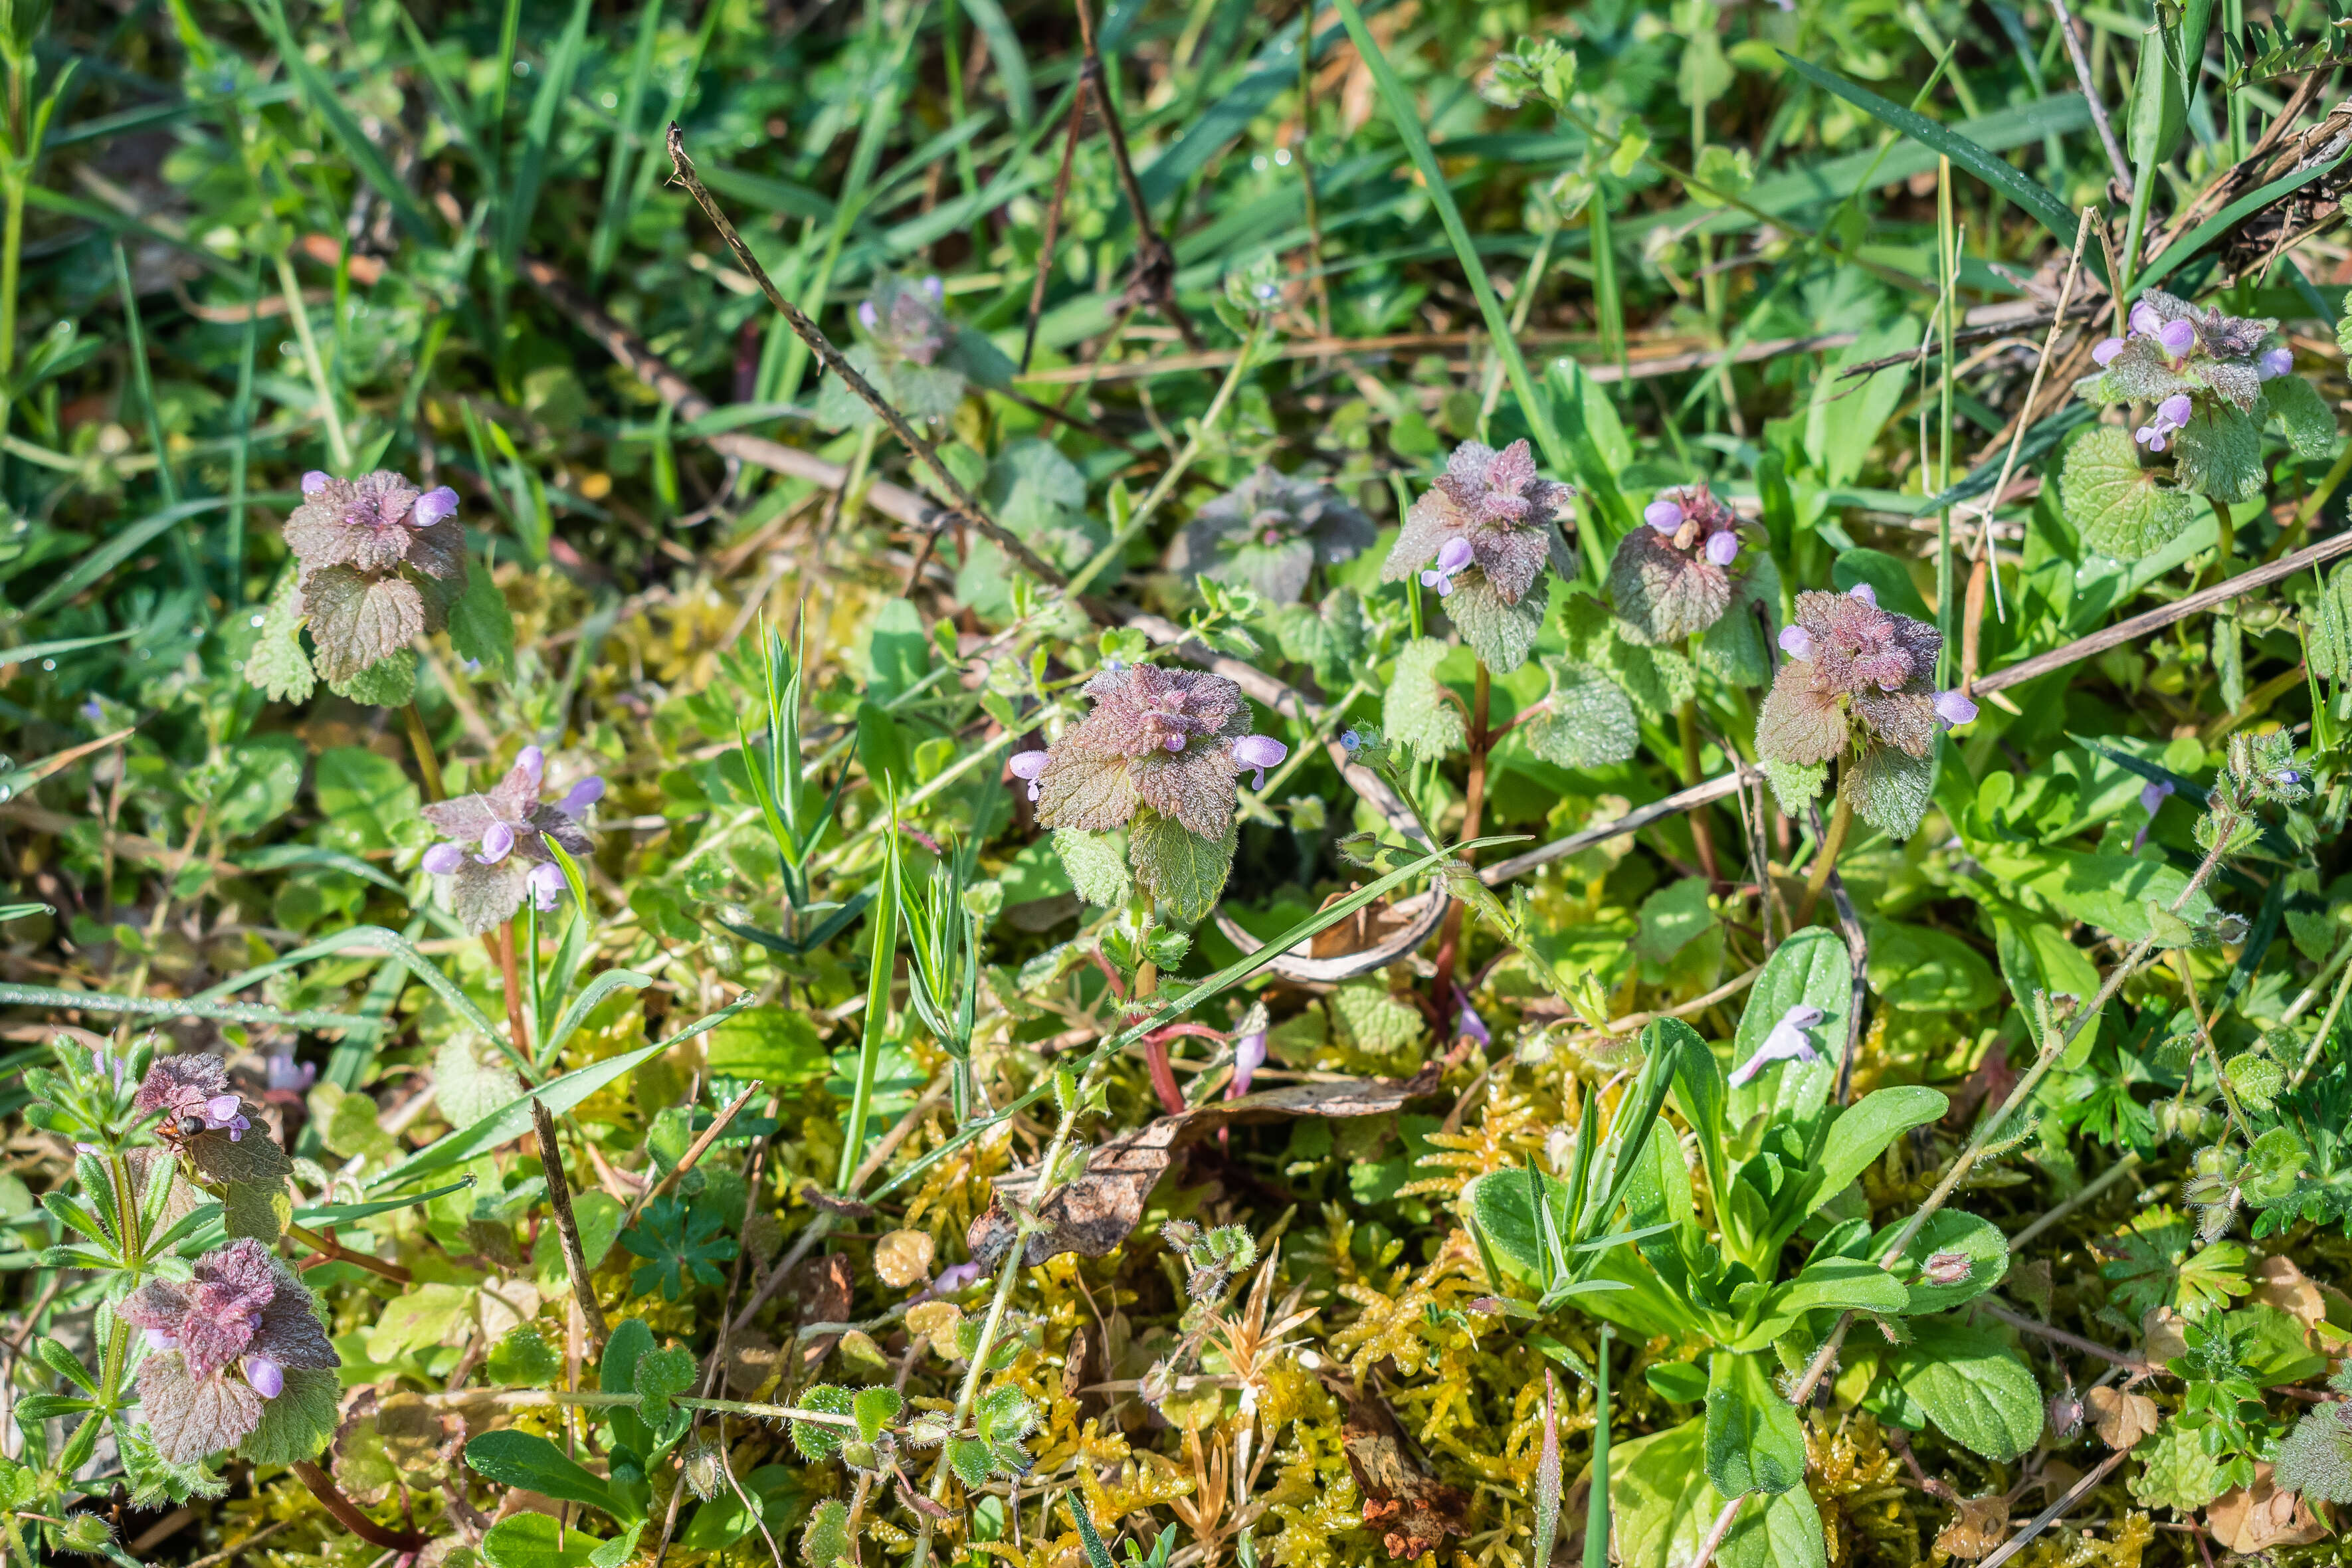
(191, 1092)
(1159, 755)
(918, 360)
(1858, 685)
(381, 563)
(1483, 532)
(499, 853)
(1676, 577)
(2170, 345)
(1269, 533)
(221, 1346)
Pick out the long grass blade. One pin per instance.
(319, 93)
(2037, 199)
(539, 136)
(1533, 404)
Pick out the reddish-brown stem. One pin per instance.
(1474, 808)
(347, 1513)
(1163, 1077)
(513, 982)
(330, 1250)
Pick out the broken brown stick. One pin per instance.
(2140, 626)
(966, 504)
(567, 1227)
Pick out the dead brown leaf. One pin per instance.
(1095, 1213)
(2120, 1418)
(821, 1285)
(752, 1360)
(1977, 1525)
(1089, 1215)
(2261, 1517)
(2160, 1334)
(2280, 1283)
(1411, 1509)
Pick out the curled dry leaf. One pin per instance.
(2121, 1419)
(1094, 1212)
(1412, 1511)
(2160, 1334)
(1977, 1525)
(2261, 1518)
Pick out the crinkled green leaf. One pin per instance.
(2115, 506)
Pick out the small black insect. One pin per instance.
(189, 1126)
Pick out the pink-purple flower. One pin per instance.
(192, 1088)
(1259, 753)
(1249, 1054)
(1497, 503)
(1787, 1042)
(1453, 557)
(1955, 708)
(242, 1311)
(1671, 580)
(2274, 363)
(499, 850)
(1119, 758)
(1796, 641)
(1029, 765)
(2171, 415)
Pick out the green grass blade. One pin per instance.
(143, 378)
(319, 93)
(613, 214)
(1596, 1513)
(576, 1014)
(401, 948)
(118, 548)
(1399, 105)
(539, 136)
(877, 1006)
(168, 1008)
(2035, 198)
(39, 650)
(1012, 65)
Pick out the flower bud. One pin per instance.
(1948, 1268)
(2177, 337)
(434, 506)
(444, 859)
(86, 1533)
(2104, 355)
(1723, 548)
(1663, 515)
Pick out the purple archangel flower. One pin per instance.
(1865, 593)
(1468, 1026)
(1955, 708)
(284, 1072)
(1664, 515)
(1028, 765)
(1249, 1054)
(1259, 753)
(2176, 338)
(1723, 549)
(1787, 1042)
(2274, 363)
(514, 830)
(497, 841)
(445, 858)
(2105, 352)
(1796, 642)
(546, 885)
(1452, 557)
(242, 1309)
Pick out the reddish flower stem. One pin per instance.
(512, 981)
(1473, 809)
(347, 1513)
